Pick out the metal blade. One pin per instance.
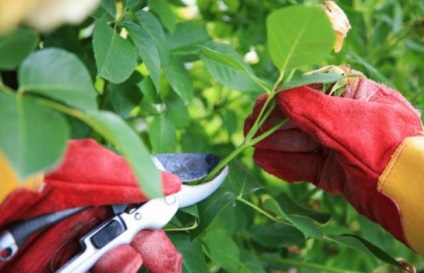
(190, 195)
(188, 167)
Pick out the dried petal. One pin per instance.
(339, 22)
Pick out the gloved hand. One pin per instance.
(89, 175)
(364, 145)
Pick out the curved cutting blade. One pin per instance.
(188, 167)
(190, 195)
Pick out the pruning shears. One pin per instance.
(128, 219)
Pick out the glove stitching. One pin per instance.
(392, 163)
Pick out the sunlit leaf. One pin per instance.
(228, 67)
(107, 8)
(115, 56)
(186, 35)
(163, 10)
(153, 27)
(63, 77)
(162, 135)
(298, 35)
(312, 78)
(179, 79)
(147, 49)
(15, 46)
(38, 135)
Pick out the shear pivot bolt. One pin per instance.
(137, 216)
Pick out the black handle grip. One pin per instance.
(22, 230)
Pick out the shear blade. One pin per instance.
(188, 167)
(190, 195)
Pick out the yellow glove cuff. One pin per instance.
(403, 181)
(9, 181)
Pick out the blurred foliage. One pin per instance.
(154, 82)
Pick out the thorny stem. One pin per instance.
(320, 268)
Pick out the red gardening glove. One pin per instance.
(93, 176)
(340, 144)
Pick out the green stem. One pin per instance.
(6, 89)
(319, 267)
(226, 160)
(62, 108)
(269, 132)
(261, 211)
(261, 118)
(193, 226)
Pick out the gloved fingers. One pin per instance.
(320, 168)
(48, 250)
(288, 166)
(88, 164)
(290, 140)
(122, 259)
(88, 175)
(287, 138)
(351, 127)
(158, 252)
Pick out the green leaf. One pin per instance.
(308, 226)
(270, 204)
(107, 9)
(147, 49)
(222, 250)
(312, 78)
(276, 235)
(133, 4)
(63, 77)
(15, 46)
(179, 79)
(298, 36)
(126, 96)
(374, 73)
(115, 56)
(153, 27)
(177, 112)
(186, 35)
(227, 67)
(32, 137)
(360, 244)
(292, 208)
(163, 10)
(118, 133)
(162, 135)
(148, 88)
(239, 181)
(211, 207)
(251, 264)
(193, 259)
